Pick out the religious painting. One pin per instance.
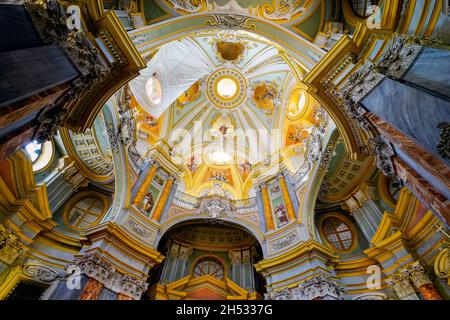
(281, 214)
(296, 135)
(145, 121)
(152, 193)
(147, 203)
(190, 95)
(265, 95)
(277, 203)
(218, 175)
(192, 163)
(245, 168)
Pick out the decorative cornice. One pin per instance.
(307, 247)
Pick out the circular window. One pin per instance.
(338, 233)
(364, 8)
(85, 211)
(209, 266)
(226, 88)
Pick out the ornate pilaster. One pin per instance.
(176, 262)
(163, 199)
(284, 294)
(267, 209)
(287, 199)
(365, 211)
(148, 180)
(412, 277)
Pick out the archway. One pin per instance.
(209, 261)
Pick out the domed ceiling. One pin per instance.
(249, 108)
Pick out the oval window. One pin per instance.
(154, 90)
(337, 233)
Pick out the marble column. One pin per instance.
(422, 282)
(122, 296)
(248, 281)
(163, 199)
(423, 190)
(430, 71)
(286, 197)
(91, 290)
(148, 180)
(267, 208)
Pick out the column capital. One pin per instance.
(417, 274)
(401, 285)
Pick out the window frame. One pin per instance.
(198, 259)
(73, 201)
(350, 226)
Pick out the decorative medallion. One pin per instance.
(230, 51)
(226, 88)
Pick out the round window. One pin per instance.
(337, 233)
(209, 266)
(85, 212)
(364, 8)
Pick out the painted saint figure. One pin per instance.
(147, 203)
(281, 213)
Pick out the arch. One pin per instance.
(148, 38)
(308, 201)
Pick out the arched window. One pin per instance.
(209, 266)
(338, 233)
